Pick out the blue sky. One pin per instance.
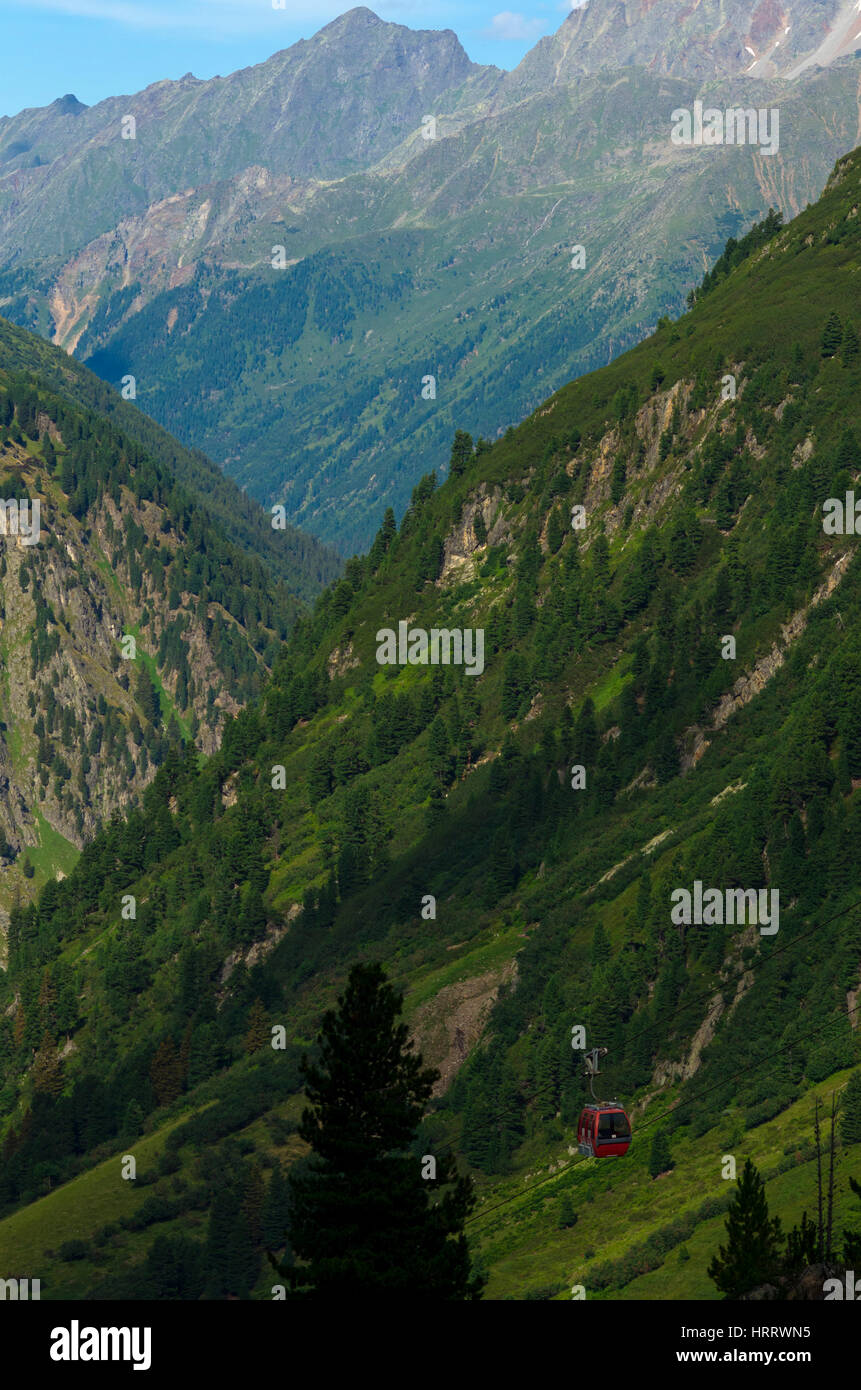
(99, 48)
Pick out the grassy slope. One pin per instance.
(617, 1204)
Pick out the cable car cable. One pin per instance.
(652, 1120)
(754, 967)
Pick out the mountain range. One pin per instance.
(319, 268)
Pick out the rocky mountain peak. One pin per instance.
(704, 39)
(68, 105)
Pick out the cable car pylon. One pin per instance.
(592, 1069)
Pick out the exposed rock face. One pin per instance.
(88, 616)
(708, 38)
(462, 545)
(342, 660)
(647, 502)
(448, 1026)
(76, 742)
(259, 950)
(648, 848)
(748, 686)
(666, 1071)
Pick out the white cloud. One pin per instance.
(509, 25)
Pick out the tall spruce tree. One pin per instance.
(231, 1263)
(849, 348)
(850, 1110)
(275, 1214)
(258, 1034)
(367, 1219)
(832, 335)
(752, 1253)
(461, 453)
(802, 1246)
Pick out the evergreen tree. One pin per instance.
(850, 1110)
(166, 1073)
(275, 1213)
(437, 811)
(231, 1262)
(586, 735)
(567, 1215)
(685, 541)
(258, 1034)
(851, 731)
(660, 1159)
(47, 1000)
(461, 453)
(849, 347)
(364, 1222)
(492, 1126)
(802, 1246)
(832, 335)
(47, 1068)
(501, 873)
(252, 1203)
(478, 1114)
(724, 509)
(600, 946)
(513, 684)
(147, 696)
(350, 871)
(439, 754)
(792, 868)
(556, 530)
(752, 1253)
(174, 1267)
(383, 540)
(547, 1077)
(666, 760)
(252, 913)
(848, 452)
(134, 1119)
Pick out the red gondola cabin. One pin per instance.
(603, 1130)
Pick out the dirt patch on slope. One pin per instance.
(447, 1027)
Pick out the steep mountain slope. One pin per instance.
(99, 540)
(297, 559)
(705, 39)
(428, 817)
(284, 287)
